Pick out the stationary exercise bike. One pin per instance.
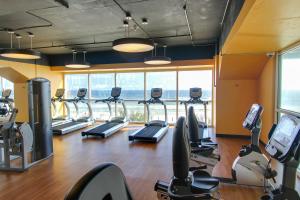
(250, 166)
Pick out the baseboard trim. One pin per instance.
(238, 137)
(232, 136)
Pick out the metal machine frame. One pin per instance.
(163, 126)
(113, 124)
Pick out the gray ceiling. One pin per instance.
(100, 21)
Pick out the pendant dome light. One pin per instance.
(158, 60)
(25, 54)
(132, 44)
(78, 65)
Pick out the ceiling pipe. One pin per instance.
(225, 11)
(188, 22)
(105, 42)
(132, 19)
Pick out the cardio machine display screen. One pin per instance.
(60, 92)
(252, 116)
(81, 92)
(116, 92)
(156, 92)
(195, 92)
(285, 131)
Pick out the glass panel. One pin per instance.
(101, 85)
(8, 85)
(73, 82)
(132, 85)
(201, 79)
(166, 81)
(289, 70)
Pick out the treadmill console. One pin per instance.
(285, 138)
(59, 93)
(116, 92)
(81, 93)
(252, 116)
(195, 93)
(156, 93)
(6, 93)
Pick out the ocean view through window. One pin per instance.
(137, 86)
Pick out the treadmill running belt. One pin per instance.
(148, 132)
(102, 128)
(62, 126)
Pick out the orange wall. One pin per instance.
(266, 96)
(233, 99)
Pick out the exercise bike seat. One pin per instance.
(203, 182)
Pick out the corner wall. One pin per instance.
(19, 73)
(266, 96)
(233, 100)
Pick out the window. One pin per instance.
(132, 85)
(201, 79)
(288, 84)
(137, 86)
(6, 84)
(72, 83)
(166, 81)
(100, 86)
(289, 91)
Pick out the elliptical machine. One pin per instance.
(284, 146)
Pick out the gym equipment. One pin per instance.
(187, 183)
(203, 150)
(39, 102)
(284, 146)
(251, 164)
(15, 145)
(57, 118)
(104, 182)
(80, 122)
(6, 106)
(195, 98)
(112, 125)
(156, 129)
(23, 145)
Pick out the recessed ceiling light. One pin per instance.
(203, 17)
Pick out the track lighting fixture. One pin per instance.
(78, 65)
(158, 60)
(26, 54)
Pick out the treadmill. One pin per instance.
(113, 124)
(58, 119)
(80, 122)
(195, 98)
(156, 129)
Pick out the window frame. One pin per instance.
(176, 101)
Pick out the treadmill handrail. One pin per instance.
(154, 101)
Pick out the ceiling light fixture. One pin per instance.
(144, 21)
(77, 65)
(25, 54)
(131, 44)
(158, 60)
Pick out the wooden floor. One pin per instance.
(141, 163)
